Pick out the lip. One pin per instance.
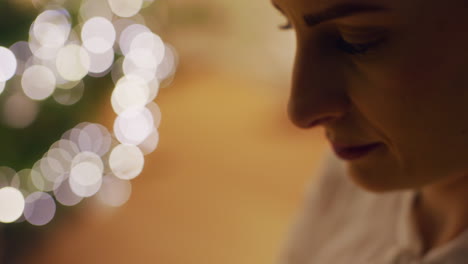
(354, 152)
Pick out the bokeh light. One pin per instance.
(168, 65)
(85, 178)
(155, 112)
(64, 194)
(134, 125)
(73, 62)
(126, 161)
(88, 157)
(128, 35)
(110, 37)
(44, 174)
(150, 144)
(94, 8)
(131, 91)
(69, 96)
(98, 35)
(38, 82)
(11, 204)
(19, 111)
(7, 64)
(51, 168)
(38, 179)
(51, 28)
(40, 208)
(125, 8)
(114, 191)
(2, 87)
(100, 62)
(22, 53)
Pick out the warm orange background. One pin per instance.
(230, 171)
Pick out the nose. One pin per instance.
(318, 92)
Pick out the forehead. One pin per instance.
(318, 5)
(398, 11)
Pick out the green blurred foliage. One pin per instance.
(20, 148)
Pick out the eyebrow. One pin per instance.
(340, 11)
(337, 11)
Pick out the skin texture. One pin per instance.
(409, 92)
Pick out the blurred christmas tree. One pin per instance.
(59, 62)
(24, 142)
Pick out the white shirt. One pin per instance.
(343, 224)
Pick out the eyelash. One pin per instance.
(342, 44)
(354, 48)
(286, 26)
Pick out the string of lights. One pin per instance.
(88, 160)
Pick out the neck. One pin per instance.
(441, 212)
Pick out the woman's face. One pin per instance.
(393, 72)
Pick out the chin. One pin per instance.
(374, 181)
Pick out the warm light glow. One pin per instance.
(23, 181)
(38, 82)
(94, 138)
(126, 161)
(114, 192)
(22, 53)
(19, 111)
(130, 92)
(42, 52)
(125, 8)
(67, 85)
(73, 62)
(128, 35)
(120, 25)
(133, 125)
(69, 96)
(98, 35)
(151, 142)
(64, 194)
(169, 63)
(51, 168)
(141, 63)
(8, 64)
(51, 28)
(38, 180)
(85, 179)
(11, 204)
(88, 159)
(59, 161)
(153, 86)
(150, 42)
(155, 112)
(101, 62)
(67, 145)
(95, 8)
(40, 208)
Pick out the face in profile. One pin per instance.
(388, 80)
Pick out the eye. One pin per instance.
(286, 26)
(355, 48)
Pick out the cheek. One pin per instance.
(415, 97)
(420, 109)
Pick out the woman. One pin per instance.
(388, 81)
